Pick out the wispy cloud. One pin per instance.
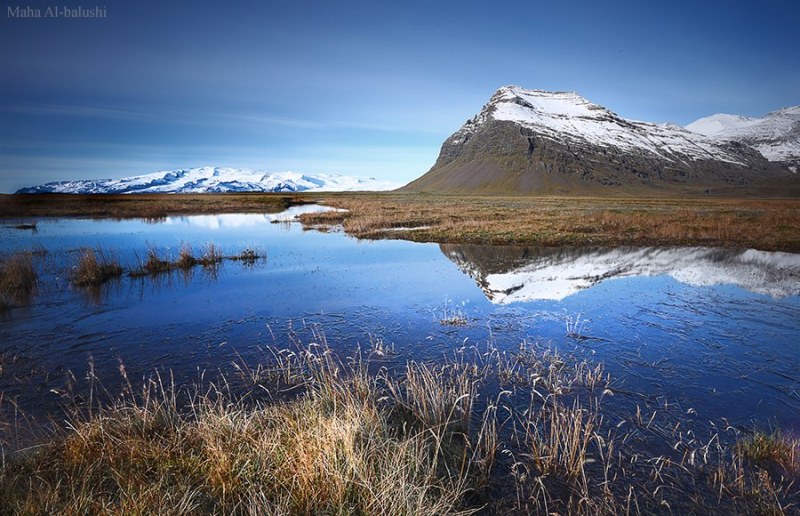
(203, 117)
(76, 111)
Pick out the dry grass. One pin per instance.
(17, 280)
(767, 224)
(334, 450)
(95, 268)
(330, 436)
(156, 263)
(775, 451)
(211, 257)
(555, 221)
(249, 257)
(153, 264)
(149, 206)
(453, 316)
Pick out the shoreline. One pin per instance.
(764, 224)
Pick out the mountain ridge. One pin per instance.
(533, 141)
(214, 180)
(775, 135)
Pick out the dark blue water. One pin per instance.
(709, 330)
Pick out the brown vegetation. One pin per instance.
(772, 225)
(149, 206)
(93, 270)
(210, 258)
(248, 257)
(767, 224)
(17, 280)
(155, 264)
(333, 436)
(337, 449)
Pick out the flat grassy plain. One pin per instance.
(141, 206)
(770, 225)
(766, 224)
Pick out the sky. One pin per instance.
(359, 88)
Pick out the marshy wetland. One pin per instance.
(248, 362)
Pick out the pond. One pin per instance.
(713, 333)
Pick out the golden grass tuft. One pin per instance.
(772, 451)
(211, 257)
(95, 268)
(335, 437)
(334, 449)
(155, 264)
(186, 259)
(17, 279)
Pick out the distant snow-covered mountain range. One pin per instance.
(215, 180)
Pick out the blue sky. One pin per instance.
(358, 88)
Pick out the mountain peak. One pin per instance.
(775, 135)
(718, 123)
(519, 90)
(537, 141)
(551, 103)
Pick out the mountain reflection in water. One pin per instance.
(244, 220)
(510, 274)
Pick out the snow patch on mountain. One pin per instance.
(216, 180)
(568, 116)
(776, 135)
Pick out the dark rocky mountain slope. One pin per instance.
(533, 141)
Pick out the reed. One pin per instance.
(95, 268)
(155, 263)
(334, 449)
(453, 316)
(249, 257)
(315, 433)
(17, 279)
(212, 256)
(774, 451)
(186, 259)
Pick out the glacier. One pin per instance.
(215, 180)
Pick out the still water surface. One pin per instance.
(716, 331)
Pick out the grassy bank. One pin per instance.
(768, 224)
(485, 431)
(149, 206)
(772, 225)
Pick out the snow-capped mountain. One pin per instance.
(518, 274)
(776, 136)
(215, 180)
(534, 141)
(566, 116)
